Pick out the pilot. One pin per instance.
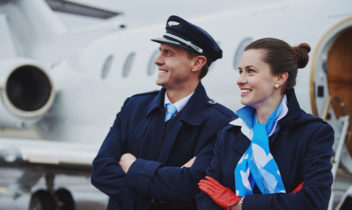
(274, 146)
(161, 142)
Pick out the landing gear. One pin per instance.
(61, 199)
(64, 199)
(42, 200)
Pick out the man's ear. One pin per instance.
(200, 61)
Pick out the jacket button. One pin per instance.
(211, 101)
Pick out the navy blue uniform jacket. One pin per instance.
(139, 129)
(302, 148)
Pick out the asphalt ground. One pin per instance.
(86, 197)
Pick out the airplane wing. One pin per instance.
(80, 9)
(48, 156)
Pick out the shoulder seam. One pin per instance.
(146, 93)
(222, 109)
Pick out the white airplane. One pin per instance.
(64, 88)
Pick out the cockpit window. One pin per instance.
(127, 66)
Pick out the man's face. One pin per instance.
(174, 67)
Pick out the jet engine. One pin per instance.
(26, 93)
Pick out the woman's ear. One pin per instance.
(282, 78)
(200, 61)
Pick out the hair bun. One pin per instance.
(301, 52)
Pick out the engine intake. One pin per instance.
(27, 93)
(28, 88)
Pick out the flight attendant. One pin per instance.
(161, 142)
(274, 146)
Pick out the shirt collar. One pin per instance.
(180, 103)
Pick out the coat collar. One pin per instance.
(293, 113)
(157, 102)
(191, 113)
(294, 110)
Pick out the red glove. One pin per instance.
(221, 195)
(298, 188)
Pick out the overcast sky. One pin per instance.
(141, 12)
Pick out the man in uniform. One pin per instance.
(161, 142)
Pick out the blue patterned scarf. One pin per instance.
(257, 165)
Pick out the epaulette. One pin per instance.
(154, 92)
(213, 104)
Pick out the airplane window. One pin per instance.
(107, 66)
(151, 65)
(128, 64)
(238, 54)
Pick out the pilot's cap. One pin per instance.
(183, 34)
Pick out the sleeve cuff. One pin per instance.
(140, 175)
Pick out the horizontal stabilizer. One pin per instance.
(80, 9)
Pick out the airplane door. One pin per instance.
(339, 76)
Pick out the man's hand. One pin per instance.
(126, 161)
(189, 163)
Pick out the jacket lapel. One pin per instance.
(241, 143)
(190, 115)
(150, 144)
(169, 141)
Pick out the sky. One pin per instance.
(139, 12)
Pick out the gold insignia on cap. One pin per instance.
(173, 23)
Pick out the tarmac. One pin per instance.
(85, 195)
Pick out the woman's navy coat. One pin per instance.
(302, 148)
(139, 129)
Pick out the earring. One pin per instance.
(276, 86)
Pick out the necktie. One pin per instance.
(170, 111)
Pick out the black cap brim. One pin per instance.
(172, 42)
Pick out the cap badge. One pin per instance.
(173, 23)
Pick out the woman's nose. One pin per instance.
(241, 80)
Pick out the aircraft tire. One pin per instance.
(65, 199)
(42, 200)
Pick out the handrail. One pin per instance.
(328, 102)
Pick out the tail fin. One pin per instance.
(31, 22)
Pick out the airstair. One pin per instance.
(341, 192)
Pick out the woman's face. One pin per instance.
(256, 81)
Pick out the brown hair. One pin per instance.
(281, 57)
